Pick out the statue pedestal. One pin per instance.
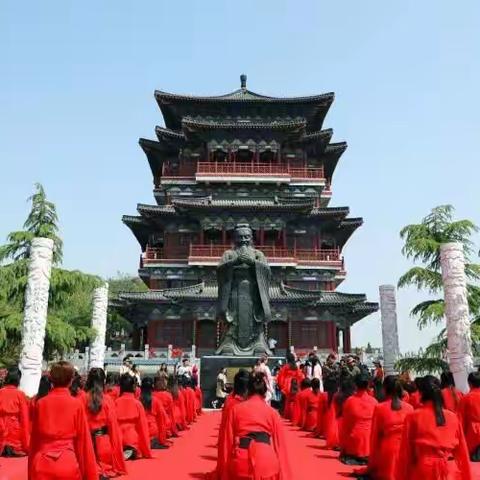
(211, 365)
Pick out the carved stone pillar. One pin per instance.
(35, 314)
(99, 323)
(390, 346)
(456, 312)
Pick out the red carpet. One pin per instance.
(194, 454)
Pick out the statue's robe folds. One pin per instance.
(243, 296)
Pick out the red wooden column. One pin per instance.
(347, 340)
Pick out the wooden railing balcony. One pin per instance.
(273, 253)
(258, 169)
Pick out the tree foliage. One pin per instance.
(118, 326)
(422, 245)
(70, 296)
(42, 221)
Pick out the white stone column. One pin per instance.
(35, 314)
(99, 323)
(456, 312)
(388, 310)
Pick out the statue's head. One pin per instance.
(243, 235)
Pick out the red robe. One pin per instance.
(321, 412)
(469, 414)
(179, 411)
(133, 424)
(190, 405)
(310, 410)
(61, 446)
(222, 456)
(157, 421)
(198, 400)
(260, 461)
(14, 415)
(451, 398)
(289, 406)
(108, 448)
(285, 377)
(385, 439)
(113, 392)
(415, 400)
(332, 422)
(356, 424)
(167, 401)
(429, 452)
(298, 406)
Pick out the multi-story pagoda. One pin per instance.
(242, 158)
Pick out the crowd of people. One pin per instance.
(387, 427)
(87, 428)
(391, 427)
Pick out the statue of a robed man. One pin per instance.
(243, 277)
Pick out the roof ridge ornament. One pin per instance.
(243, 81)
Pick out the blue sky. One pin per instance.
(76, 93)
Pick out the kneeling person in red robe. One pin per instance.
(156, 415)
(132, 421)
(14, 416)
(357, 423)
(103, 425)
(469, 414)
(61, 445)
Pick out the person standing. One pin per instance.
(433, 445)
(14, 416)
(221, 390)
(469, 414)
(185, 369)
(61, 445)
(103, 425)
(254, 439)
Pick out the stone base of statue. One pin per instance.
(230, 347)
(210, 366)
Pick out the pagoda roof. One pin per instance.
(331, 155)
(176, 106)
(354, 305)
(278, 293)
(192, 123)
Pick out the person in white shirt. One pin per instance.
(272, 344)
(262, 366)
(314, 369)
(221, 390)
(185, 369)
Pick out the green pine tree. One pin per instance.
(422, 245)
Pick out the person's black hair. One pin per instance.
(160, 383)
(44, 386)
(347, 389)
(393, 389)
(173, 386)
(240, 382)
(127, 383)
(257, 384)
(94, 385)
(305, 383)
(448, 381)
(430, 392)
(112, 379)
(291, 360)
(331, 387)
(418, 382)
(315, 385)
(293, 386)
(362, 381)
(409, 387)
(13, 376)
(146, 393)
(474, 379)
(76, 384)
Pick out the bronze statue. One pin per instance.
(243, 296)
